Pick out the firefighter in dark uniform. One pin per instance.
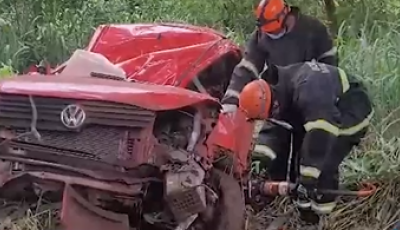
(290, 36)
(329, 111)
(284, 36)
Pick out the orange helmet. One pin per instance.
(255, 99)
(271, 15)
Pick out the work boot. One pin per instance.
(305, 195)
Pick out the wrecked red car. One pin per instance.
(128, 132)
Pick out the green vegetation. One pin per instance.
(368, 40)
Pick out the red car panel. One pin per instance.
(152, 97)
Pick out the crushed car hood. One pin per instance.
(163, 54)
(152, 97)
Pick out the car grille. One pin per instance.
(110, 130)
(16, 111)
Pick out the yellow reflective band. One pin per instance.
(309, 171)
(326, 126)
(250, 66)
(265, 150)
(322, 124)
(325, 208)
(302, 204)
(344, 80)
(357, 128)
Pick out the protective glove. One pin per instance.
(229, 108)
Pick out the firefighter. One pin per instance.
(289, 36)
(329, 111)
(283, 36)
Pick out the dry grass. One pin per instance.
(21, 216)
(379, 212)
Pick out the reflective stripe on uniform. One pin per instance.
(309, 171)
(232, 93)
(363, 124)
(356, 128)
(325, 208)
(321, 124)
(328, 127)
(249, 66)
(329, 53)
(302, 204)
(344, 80)
(265, 150)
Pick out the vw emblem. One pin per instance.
(73, 116)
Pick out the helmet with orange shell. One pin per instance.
(271, 15)
(255, 100)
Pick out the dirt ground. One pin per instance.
(14, 216)
(20, 216)
(23, 216)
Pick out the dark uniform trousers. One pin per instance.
(274, 142)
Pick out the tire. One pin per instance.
(229, 213)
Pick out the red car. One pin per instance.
(128, 132)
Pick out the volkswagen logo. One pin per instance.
(73, 116)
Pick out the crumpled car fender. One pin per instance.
(234, 133)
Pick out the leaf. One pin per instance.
(6, 72)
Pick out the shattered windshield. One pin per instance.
(86, 63)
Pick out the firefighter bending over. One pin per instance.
(329, 111)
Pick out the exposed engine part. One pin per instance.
(178, 156)
(196, 131)
(185, 224)
(183, 191)
(186, 202)
(174, 129)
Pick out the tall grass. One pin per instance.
(368, 41)
(374, 57)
